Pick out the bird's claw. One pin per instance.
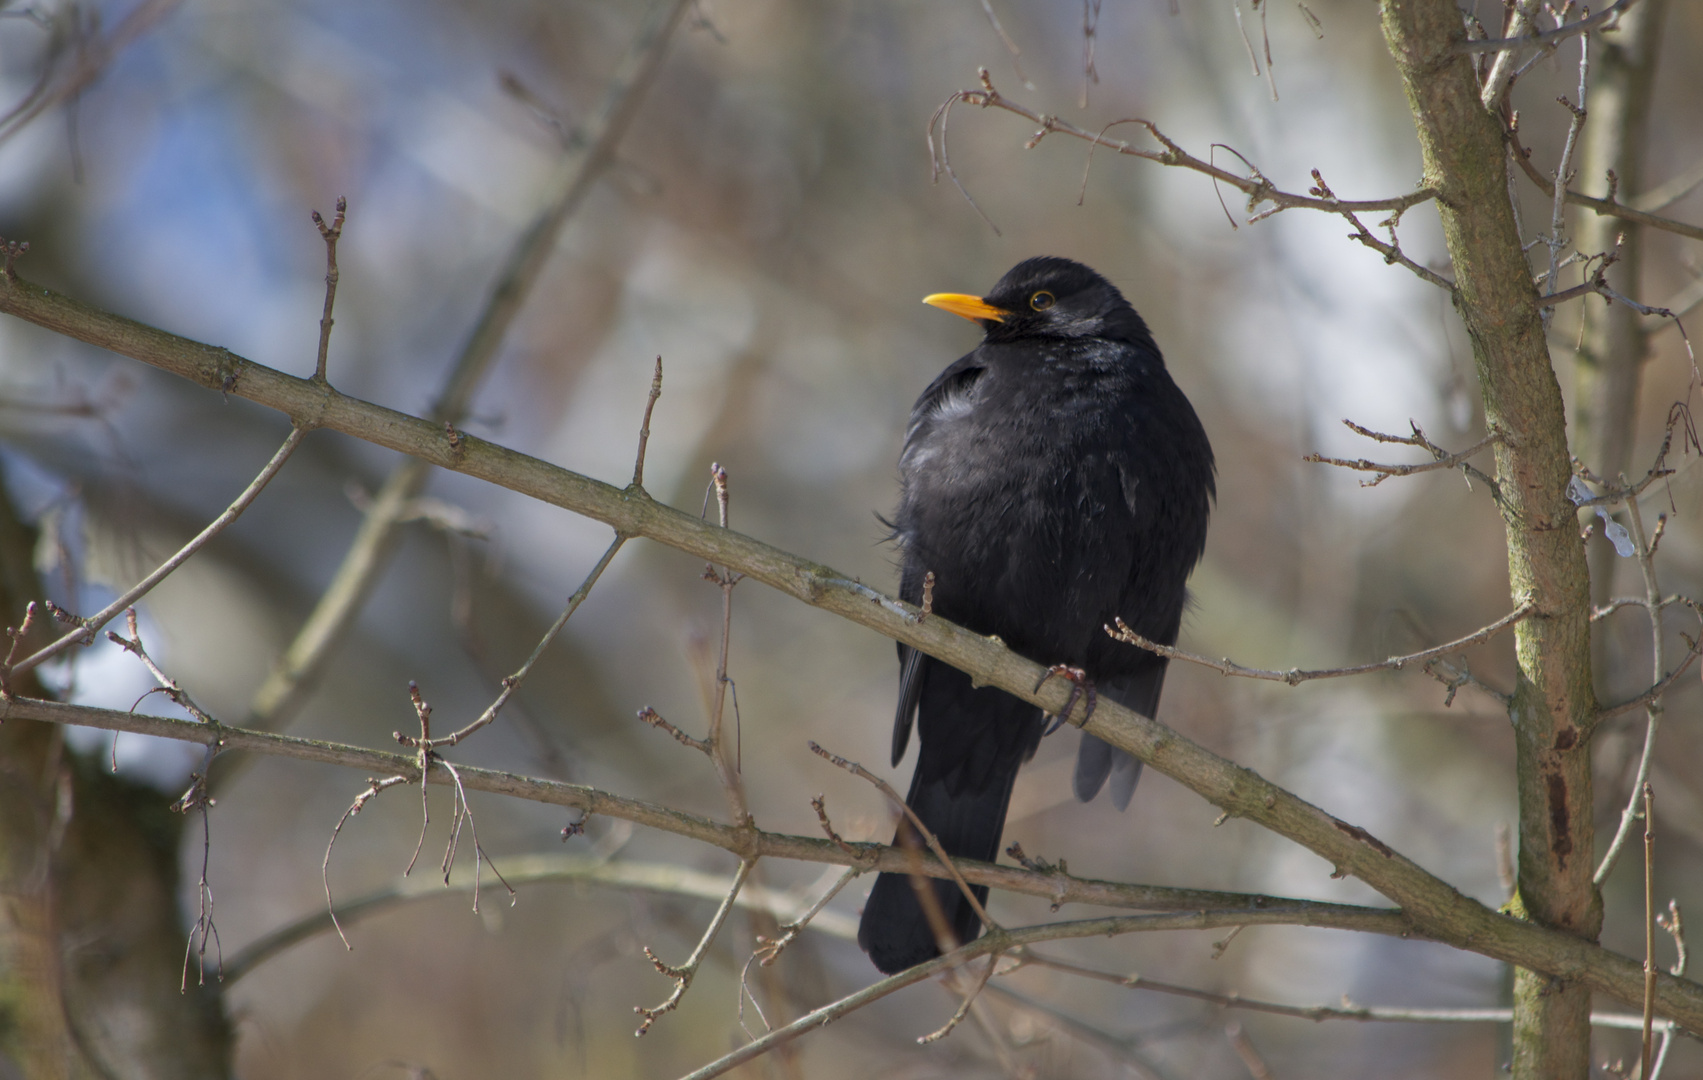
(1080, 684)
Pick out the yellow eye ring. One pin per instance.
(1042, 300)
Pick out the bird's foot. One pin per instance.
(1080, 685)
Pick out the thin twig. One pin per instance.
(1391, 251)
(526, 870)
(1295, 676)
(922, 830)
(1674, 924)
(512, 682)
(657, 720)
(1257, 188)
(330, 234)
(87, 628)
(374, 787)
(644, 426)
(727, 764)
(993, 942)
(1010, 46)
(1057, 887)
(93, 56)
(1649, 928)
(1560, 33)
(1346, 1011)
(684, 974)
(1557, 239)
(963, 1009)
(1440, 459)
(768, 951)
(1608, 207)
(1653, 703)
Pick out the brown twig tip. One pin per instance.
(17, 635)
(656, 720)
(1674, 924)
(330, 234)
(13, 250)
(1036, 865)
(644, 426)
(685, 973)
(820, 804)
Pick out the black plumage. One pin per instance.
(1053, 479)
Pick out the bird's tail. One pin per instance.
(896, 932)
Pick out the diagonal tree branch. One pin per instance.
(1435, 908)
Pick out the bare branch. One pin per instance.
(1056, 886)
(1316, 1013)
(657, 720)
(1649, 928)
(330, 234)
(1295, 676)
(1560, 33)
(537, 870)
(1608, 207)
(1651, 699)
(1257, 188)
(684, 974)
(922, 830)
(87, 628)
(989, 944)
(1436, 908)
(644, 426)
(1442, 459)
(1674, 924)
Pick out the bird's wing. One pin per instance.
(910, 689)
(1097, 759)
(950, 391)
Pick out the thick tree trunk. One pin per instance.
(1553, 703)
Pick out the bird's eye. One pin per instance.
(1042, 300)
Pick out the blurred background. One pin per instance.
(768, 229)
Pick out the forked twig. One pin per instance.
(330, 234)
(1441, 459)
(1257, 188)
(685, 973)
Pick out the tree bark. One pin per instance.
(1553, 702)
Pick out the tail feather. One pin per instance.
(1096, 760)
(895, 930)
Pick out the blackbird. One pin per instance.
(1052, 480)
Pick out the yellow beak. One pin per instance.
(969, 307)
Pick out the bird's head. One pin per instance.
(1049, 297)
